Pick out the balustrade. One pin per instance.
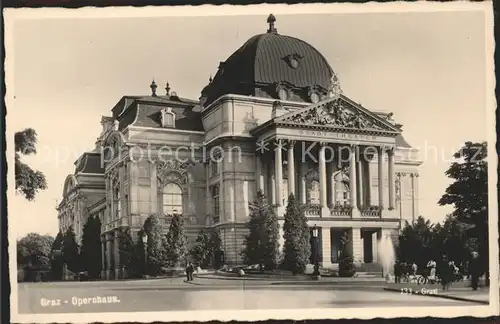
(341, 211)
(371, 211)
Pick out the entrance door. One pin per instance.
(368, 247)
(335, 237)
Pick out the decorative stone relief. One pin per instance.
(335, 113)
(172, 171)
(312, 175)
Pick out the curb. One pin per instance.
(443, 296)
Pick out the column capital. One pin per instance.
(291, 143)
(390, 150)
(323, 144)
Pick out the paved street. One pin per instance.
(206, 294)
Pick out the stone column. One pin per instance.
(330, 168)
(360, 178)
(302, 182)
(381, 151)
(109, 253)
(291, 169)
(391, 179)
(222, 191)
(322, 180)
(264, 175)
(415, 196)
(368, 181)
(272, 182)
(103, 257)
(258, 173)
(357, 245)
(375, 246)
(326, 246)
(208, 194)
(278, 165)
(352, 176)
(117, 255)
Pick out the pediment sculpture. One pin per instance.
(335, 114)
(172, 171)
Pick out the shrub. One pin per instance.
(297, 247)
(207, 246)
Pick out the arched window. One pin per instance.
(313, 192)
(172, 199)
(342, 192)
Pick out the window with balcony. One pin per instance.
(313, 192)
(172, 199)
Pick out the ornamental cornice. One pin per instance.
(291, 125)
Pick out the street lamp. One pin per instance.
(315, 231)
(145, 244)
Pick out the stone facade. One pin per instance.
(349, 167)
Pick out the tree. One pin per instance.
(71, 250)
(91, 252)
(156, 253)
(261, 243)
(451, 240)
(416, 242)
(137, 267)
(346, 262)
(126, 249)
(57, 261)
(176, 241)
(297, 247)
(208, 243)
(468, 194)
(270, 247)
(28, 181)
(254, 240)
(34, 252)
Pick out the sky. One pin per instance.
(427, 68)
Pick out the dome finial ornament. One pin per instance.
(153, 87)
(210, 79)
(334, 89)
(167, 89)
(271, 20)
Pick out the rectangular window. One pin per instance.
(118, 208)
(216, 201)
(215, 168)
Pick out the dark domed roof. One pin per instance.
(269, 62)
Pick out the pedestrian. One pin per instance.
(397, 271)
(431, 267)
(189, 271)
(445, 272)
(474, 270)
(414, 268)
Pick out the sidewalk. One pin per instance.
(289, 279)
(458, 291)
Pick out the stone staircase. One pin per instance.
(369, 270)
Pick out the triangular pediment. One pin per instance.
(337, 113)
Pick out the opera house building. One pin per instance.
(273, 118)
